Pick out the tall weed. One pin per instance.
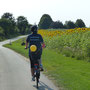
(74, 45)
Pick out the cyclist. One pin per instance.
(37, 40)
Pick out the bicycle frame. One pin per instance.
(37, 73)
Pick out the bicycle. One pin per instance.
(34, 55)
(36, 72)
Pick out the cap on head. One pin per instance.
(34, 28)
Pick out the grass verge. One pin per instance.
(69, 73)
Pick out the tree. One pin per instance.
(6, 25)
(56, 25)
(45, 21)
(28, 29)
(10, 18)
(1, 32)
(22, 24)
(80, 23)
(69, 25)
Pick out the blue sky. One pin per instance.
(58, 9)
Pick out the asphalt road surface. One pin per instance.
(15, 72)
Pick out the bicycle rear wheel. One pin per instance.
(37, 77)
(37, 80)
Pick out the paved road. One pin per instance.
(15, 72)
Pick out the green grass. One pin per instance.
(16, 46)
(66, 72)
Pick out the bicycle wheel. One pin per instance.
(37, 80)
(37, 77)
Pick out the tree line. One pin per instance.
(11, 27)
(46, 22)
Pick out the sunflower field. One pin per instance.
(73, 43)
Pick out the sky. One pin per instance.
(62, 10)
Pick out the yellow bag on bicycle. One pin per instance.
(33, 48)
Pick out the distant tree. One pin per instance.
(6, 25)
(1, 32)
(29, 29)
(10, 17)
(45, 21)
(69, 25)
(80, 23)
(22, 24)
(56, 25)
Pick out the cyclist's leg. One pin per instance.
(32, 66)
(40, 60)
(40, 63)
(32, 69)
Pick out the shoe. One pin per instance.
(33, 78)
(41, 68)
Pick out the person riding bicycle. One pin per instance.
(35, 40)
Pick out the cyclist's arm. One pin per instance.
(27, 40)
(26, 45)
(42, 42)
